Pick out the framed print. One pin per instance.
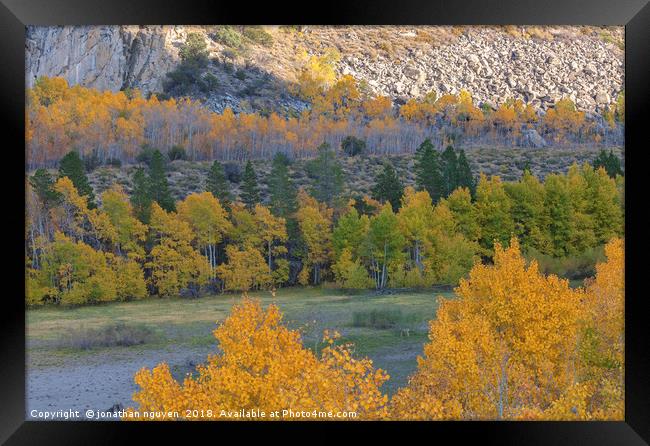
(404, 215)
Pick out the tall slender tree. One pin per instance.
(449, 171)
(72, 167)
(465, 178)
(327, 174)
(217, 184)
(427, 170)
(281, 189)
(388, 187)
(141, 196)
(250, 194)
(159, 187)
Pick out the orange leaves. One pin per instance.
(263, 365)
(507, 342)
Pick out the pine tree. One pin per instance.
(427, 170)
(449, 170)
(72, 167)
(43, 184)
(217, 184)
(159, 188)
(250, 194)
(141, 196)
(327, 174)
(388, 187)
(609, 162)
(281, 189)
(465, 177)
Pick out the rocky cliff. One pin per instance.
(538, 65)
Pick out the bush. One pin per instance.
(258, 35)
(229, 37)
(240, 74)
(114, 162)
(232, 172)
(145, 155)
(91, 162)
(114, 335)
(353, 146)
(176, 153)
(381, 318)
(575, 267)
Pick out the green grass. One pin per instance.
(176, 323)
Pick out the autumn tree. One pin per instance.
(385, 244)
(217, 184)
(262, 365)
(506, 344)
(131, 233)
(493, 206)
(208, 221)
(72, 167)
(173, 262)
(388, 187)
(250, 194)
(244, 270)
(529, 212)
(315, 223)
(71, 273)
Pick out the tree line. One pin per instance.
(115, 127)
(146, 243)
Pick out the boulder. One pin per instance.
(530, 138)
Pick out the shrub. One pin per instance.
(232, 172)
(114, 162)
(353, 146)
(240, 74)
(229, 37)
(114, 335)
(258, 35)
(91, 162)
(176, 153)
(380, 318)
(146, 155)
(578, 266)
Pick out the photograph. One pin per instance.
(324, 222)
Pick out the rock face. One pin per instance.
(490, 64)
(103, 57)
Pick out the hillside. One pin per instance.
(186, 177)
(254, 67)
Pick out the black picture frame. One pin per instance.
(633, 14)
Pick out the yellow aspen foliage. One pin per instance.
(505, 345)
(129, 278)
(315, 223)
(72, 273)
(350, 273)
(262, 365)
(130, 232)
(174, 263)
(73, 217)
(245, 269)
(208, 220)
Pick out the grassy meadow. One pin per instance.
(390, 328)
